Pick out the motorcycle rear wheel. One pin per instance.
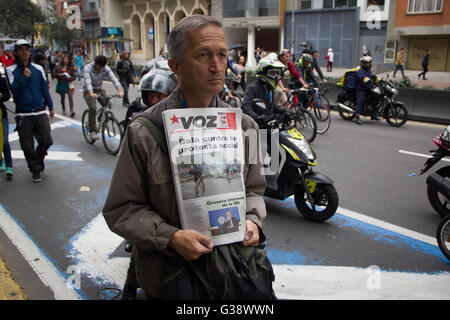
(443, 236)
(437, 200)
(326, 199)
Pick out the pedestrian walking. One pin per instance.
(65, 74)
(425, 62)
(399, 63)
(330, 59)
(241, 70)
(79, 65)
(31, 96)
(7, 58)
(126, 74)
(6, 163)
(42, 60)
(140, 205)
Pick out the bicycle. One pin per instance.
(320, 107)
(443, 236)
(305, 121)
(107, 125)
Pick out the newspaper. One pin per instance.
(207, 156)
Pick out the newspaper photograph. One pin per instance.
(207, 156)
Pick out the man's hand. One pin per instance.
(52, 114)
(251, 237)
(120, 93)
(1, 95)
(190, 244)
(306, 86)
(324, 81)
(93, 95)
(27, 72)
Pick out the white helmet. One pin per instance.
(157, 80)
(157, 63)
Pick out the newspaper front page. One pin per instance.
(207, 156)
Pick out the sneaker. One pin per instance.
(358, 121)
(93, 136)
(374, 118)
(72, 114)
(36, 177)
(9, 173)
(2, 166)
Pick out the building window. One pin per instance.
(338, 3)
(424, 6)
(305, 4)
(250, 8)
(377, 3)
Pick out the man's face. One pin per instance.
(98, 67)
(23, 53)
(202, 70)
(315, 55)
(155, 97)
(125, 55)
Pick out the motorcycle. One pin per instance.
(380, 102)
(314, 193)
(438, 183)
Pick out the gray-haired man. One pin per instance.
(140, 205)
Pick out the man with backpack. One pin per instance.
(140, 205)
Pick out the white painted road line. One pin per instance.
(52, 155)
(420, 155)
(42, 266)
(388, 226)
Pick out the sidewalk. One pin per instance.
(437, 79)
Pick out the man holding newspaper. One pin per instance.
(145, 204)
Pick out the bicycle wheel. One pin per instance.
(85, 127)
(321, 110)
(111, 135)
(443, 236)
(305, 123)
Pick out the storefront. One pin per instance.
(439, 55)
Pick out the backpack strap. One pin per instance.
(154, 131)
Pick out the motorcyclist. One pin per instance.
(365, 80)
(268, 74)
(155, 86)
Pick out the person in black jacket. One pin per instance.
(269, 73)
(126, 74)
(425, 62)
(6, 160)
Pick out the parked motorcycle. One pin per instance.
(438, 189)
(380, 102)
(315, 195)
(443, 236)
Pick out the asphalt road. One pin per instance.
(384, 220)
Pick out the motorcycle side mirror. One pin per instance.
(260, 105)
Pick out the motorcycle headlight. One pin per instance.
(394, 91)
(376, 90)
(304, 146)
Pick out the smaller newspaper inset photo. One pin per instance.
(207, 158)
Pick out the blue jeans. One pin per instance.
(401, 68)
(6, 146)
(79, 73)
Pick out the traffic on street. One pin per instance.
(380, 244)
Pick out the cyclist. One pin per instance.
(155, 86)
(94, 74)
(268, 74)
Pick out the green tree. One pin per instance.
(18, 18)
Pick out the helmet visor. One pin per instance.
(274, 73)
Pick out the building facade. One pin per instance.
(421, 25)
(147, 24)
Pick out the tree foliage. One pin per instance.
(19, 17)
